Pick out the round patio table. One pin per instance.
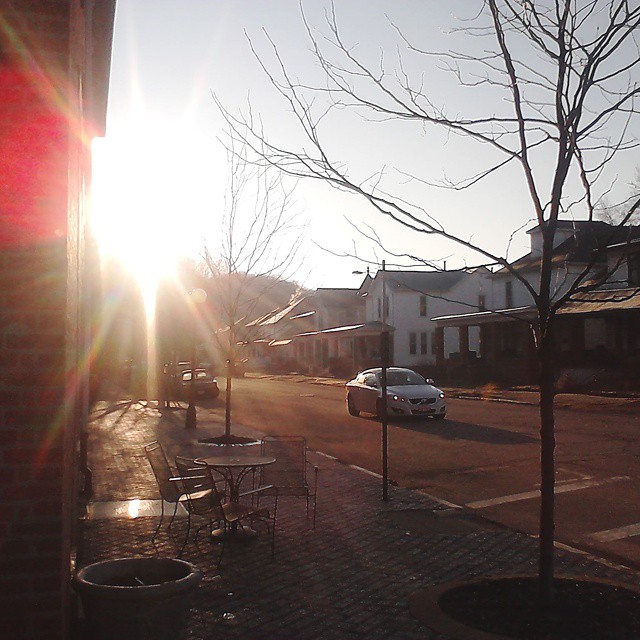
(234, 468)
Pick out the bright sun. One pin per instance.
(148, 204)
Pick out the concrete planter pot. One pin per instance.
(136, 598)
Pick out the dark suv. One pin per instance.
(204, 385)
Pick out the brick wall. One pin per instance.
(36, 117)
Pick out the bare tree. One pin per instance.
(562, 74)
(613, 212)
(260, 236)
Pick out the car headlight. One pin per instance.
(397, 398)
(441, 394)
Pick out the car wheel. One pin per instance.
(351, 408)
(440, 416)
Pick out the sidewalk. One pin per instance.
(350, 578)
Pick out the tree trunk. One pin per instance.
(230, 365)
(227, 404)
(547, 470)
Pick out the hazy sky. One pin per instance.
(161, 171)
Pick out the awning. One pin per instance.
(610, 300)
(486, 317)
(352, 330)
(279, 343)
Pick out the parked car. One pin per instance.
(179, 384)
(408, 394)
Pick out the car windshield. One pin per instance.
(200, 375)
(398, 378)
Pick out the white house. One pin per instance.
(412, 298)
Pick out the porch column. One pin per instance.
(438, 338)
(463, 340)
(486, 343)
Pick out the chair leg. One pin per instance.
(153, 538)
(222, 545)
(186, 537)
(175, 510)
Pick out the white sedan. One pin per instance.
(408, 394)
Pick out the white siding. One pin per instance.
(404, 315)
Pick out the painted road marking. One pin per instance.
(528, 495)
(370, 473)
(617, 534)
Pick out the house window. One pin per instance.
(482, 306)
(423, 306)
(423, 343)
(508, 294)
(412, 344)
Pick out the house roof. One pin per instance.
(588, 236)
(307, 306)
(276, 315)
(604, 300)
(421, 281)
(593, 302)
(336, 297)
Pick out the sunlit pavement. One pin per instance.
(350, 578)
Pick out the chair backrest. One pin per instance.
(162, 471)
(196, 480)
(290, 467)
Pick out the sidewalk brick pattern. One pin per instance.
(350, 578)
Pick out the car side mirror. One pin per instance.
(429, 380)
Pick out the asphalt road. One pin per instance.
(484, 457)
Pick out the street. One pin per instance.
(484, 457)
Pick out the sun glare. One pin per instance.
(132, 212)
(150, 205)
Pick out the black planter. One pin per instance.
(137, 598)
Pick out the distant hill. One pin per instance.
(252, 296)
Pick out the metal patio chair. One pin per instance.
(200, 495)
(289, 473)
(163, 473)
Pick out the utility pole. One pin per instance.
(384, 356)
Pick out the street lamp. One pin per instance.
(197, 297)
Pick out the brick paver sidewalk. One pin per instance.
(350, 578)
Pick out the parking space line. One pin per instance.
(528, 495)
(609, 535)
(370, 473)
(326, 455)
